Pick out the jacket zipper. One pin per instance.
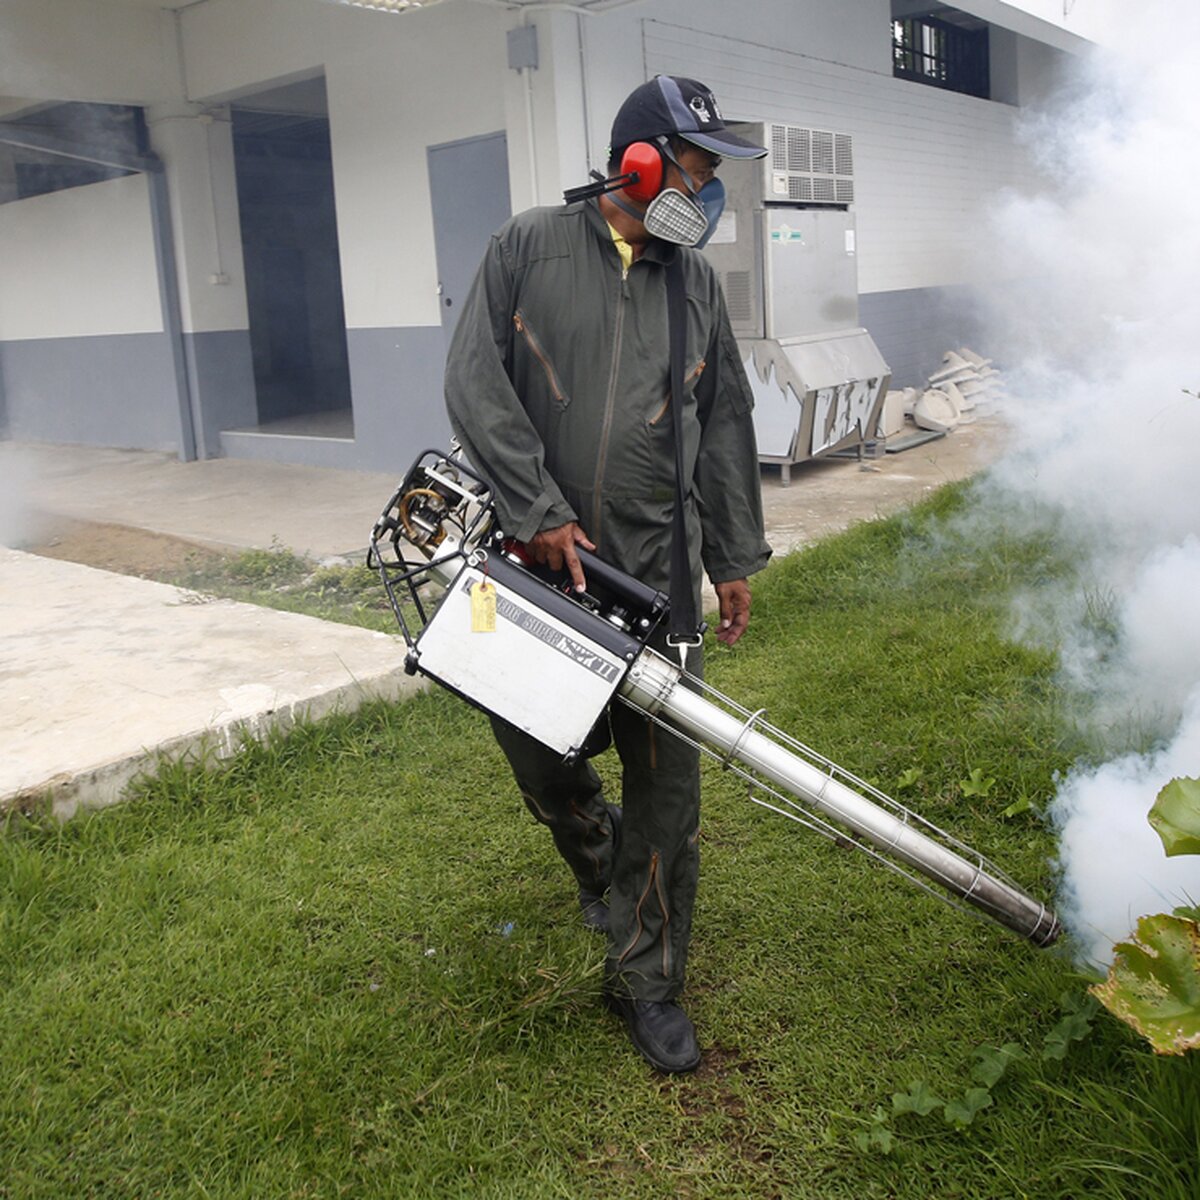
(666, 405)
(609, 404)
(652, 884)
(666, 918)
(522, 327)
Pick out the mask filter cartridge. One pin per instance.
(676, 218)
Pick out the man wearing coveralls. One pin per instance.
(557, 386)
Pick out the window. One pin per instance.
(942, 53)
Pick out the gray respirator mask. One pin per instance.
(686, 220)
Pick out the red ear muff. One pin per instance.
(646, 159)
(643, 159)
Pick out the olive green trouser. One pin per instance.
(652, 875)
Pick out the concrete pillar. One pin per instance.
(196, 148)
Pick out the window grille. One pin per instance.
(935, 52)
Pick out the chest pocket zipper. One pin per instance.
(522, 327)
(695, 374)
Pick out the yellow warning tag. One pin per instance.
(483, 607)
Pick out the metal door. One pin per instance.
(468, 183)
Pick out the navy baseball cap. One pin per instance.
(672, 105)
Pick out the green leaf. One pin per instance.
(993, 1061)
(1072, 1028)
(882, 1139)
(1017, 807)
(962, 1112)
(1079, 1002)
(908, 777)
(919, 1099)
(1154, 983)
(976, 785)
(1176, 817)
(879, 1136)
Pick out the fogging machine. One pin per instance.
(515, 640)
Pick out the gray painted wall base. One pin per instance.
(396, 386)
(396, 383)
(221, 377)
(110, 390)
(120, 390)
(913, 328)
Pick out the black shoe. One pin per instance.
(592, 904)
(660, 1030)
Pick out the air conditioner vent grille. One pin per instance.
(843, 154)
(739, 296)
(810, 166)
(824, 191)
(822, 157)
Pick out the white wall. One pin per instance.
(197, 152)
(927, 161)
(387, 104)
(395, 85)
(79, 263)
(82, 50)
(622, 47)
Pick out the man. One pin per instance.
(557, 385)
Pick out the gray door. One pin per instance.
(468, 183)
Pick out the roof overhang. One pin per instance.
(1020, 19)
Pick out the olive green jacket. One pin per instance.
(557, 387)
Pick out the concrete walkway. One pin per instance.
(100, 674)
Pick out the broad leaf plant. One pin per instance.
(1154, 982)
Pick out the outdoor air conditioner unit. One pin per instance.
(785, 251)
(785, 246)
(809, 166)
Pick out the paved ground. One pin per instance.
(100, 672)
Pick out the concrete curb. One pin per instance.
(108, 783)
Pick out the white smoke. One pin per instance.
(1105, 320)
(1114, 869)
(16, 478)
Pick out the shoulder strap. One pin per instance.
(684, 623)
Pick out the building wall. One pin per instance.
(927, 163)
(391, 94)
(112, 53)
(83, 354)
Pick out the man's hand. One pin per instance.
(556, 548)
(734, 599)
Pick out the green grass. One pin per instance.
(278, 578)
(348, 964)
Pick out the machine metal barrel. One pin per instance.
(654, 686)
